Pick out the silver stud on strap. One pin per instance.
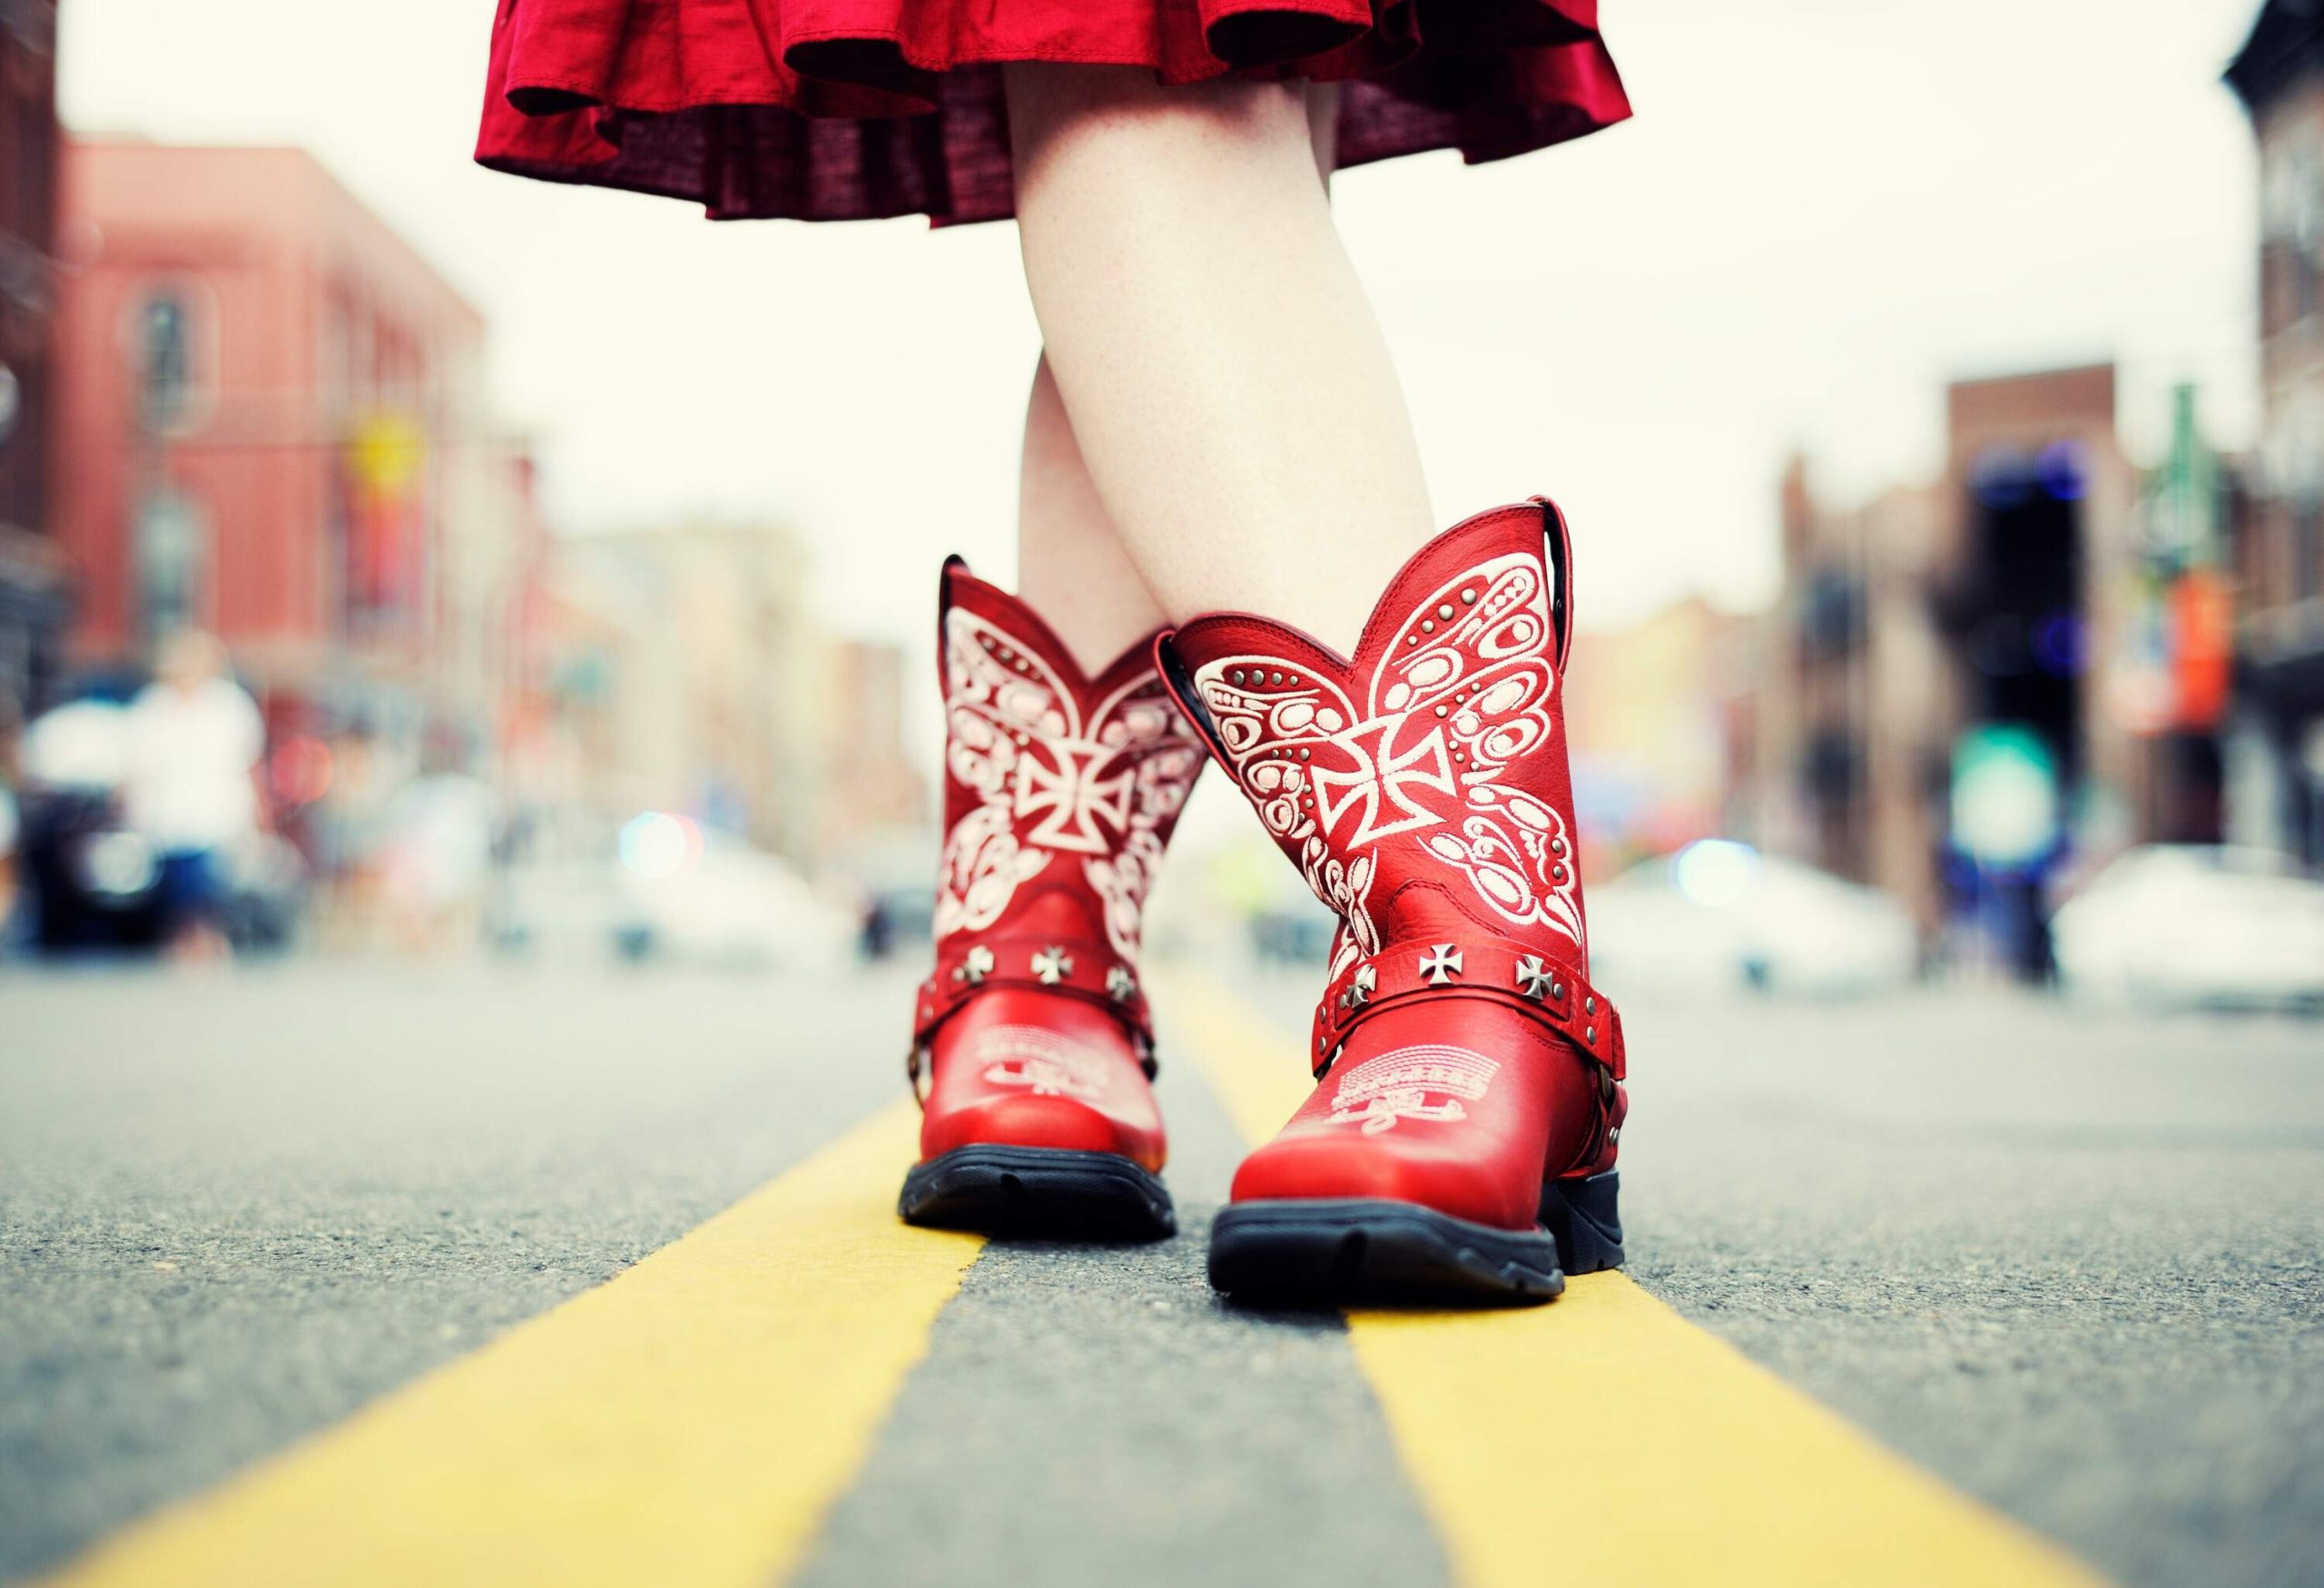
(974, 966)
(1052, 965)
(1120, 985)
(1533, 979)
(1441, 964)
(1359, 991)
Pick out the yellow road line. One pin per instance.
(689, 1422)
(1605, 1439)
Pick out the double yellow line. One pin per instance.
(691, 1421)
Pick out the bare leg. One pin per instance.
(1070, 565)
(1232, 394)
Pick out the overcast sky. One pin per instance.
(1823, 211)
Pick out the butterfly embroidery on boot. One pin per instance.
(1462, 692)
(1047, 781)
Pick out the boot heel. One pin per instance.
(1584, 1217)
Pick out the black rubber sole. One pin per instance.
(1368, 1249)
(1586, 1218)
(1038, 1190)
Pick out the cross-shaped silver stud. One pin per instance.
(1120, 985)
(1359, 991)
(1441, 964)
(974, 966)
(1533, 978)
(1052, 965)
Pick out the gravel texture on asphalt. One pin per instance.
(2070, 1262)
(234, 1209)
(1098, 1415)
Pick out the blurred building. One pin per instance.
(691, 677)
(1856, 700)
(1662, 731)
(1940, 642)
(272, 424)
(33, 608)
(879, 792)
(2276, 746)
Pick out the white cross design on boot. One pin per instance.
(1382, 785)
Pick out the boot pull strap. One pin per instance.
(1180, 681)
(944, 621)
(1501, 970)
(1560, 554)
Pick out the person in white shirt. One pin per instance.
(195, 743)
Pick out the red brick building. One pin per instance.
(272, 424)
(32, 588)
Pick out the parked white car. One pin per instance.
(1718, 916)
(2184, 925)
(691, 894)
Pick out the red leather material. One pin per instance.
(1421, 787)
(1031, 1069)
(1061, 791)
(1453, 1104)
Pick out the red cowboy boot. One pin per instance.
(1461, 1139)
(1060, 790)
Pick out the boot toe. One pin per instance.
(1038, 1121)
(1354, 1165)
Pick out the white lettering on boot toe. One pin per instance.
(1428, 1082)
(1042, 1063)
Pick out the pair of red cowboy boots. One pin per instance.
(1462, 1136)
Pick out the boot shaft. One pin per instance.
(1060, 793)
(1422, 786)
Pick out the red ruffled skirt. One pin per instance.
(834, 110)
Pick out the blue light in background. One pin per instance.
(2062, 471)
(2061, 645)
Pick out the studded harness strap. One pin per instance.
(1504, 972)
(1086, 969)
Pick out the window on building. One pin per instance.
(165, 359)
(173, 559)
(2291, 202)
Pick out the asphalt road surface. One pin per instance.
(2074, 1266)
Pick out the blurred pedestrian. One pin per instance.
(351, 828)
(437, 850)
(196, 745)
(1214, 440)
